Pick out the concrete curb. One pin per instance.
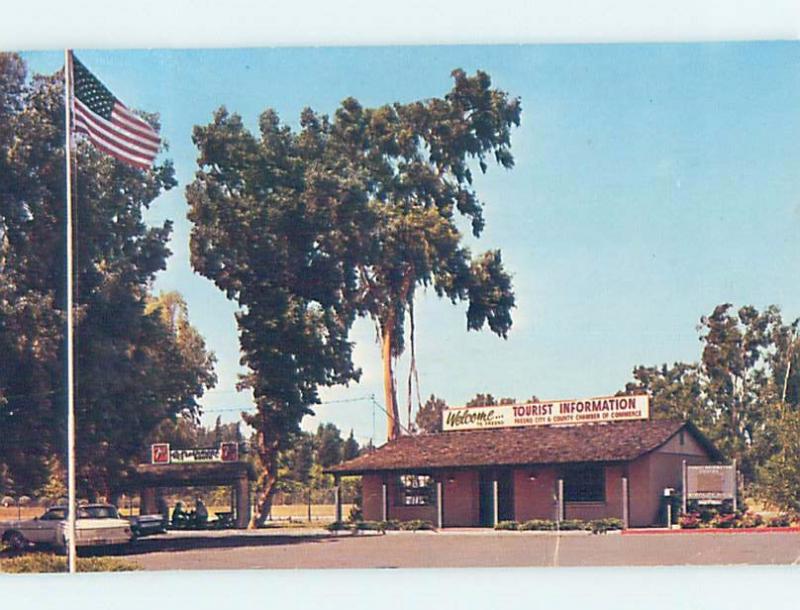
(713, 530)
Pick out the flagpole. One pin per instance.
(72, 507)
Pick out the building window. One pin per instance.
(585, 483)
(415, 490)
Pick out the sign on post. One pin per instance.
(160, 453)
(712, 484)
(548, 413)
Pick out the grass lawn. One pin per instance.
(48, 562)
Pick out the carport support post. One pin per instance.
(735, 486)
(385, 502)
(242, 502)
(560, 515)
(147, 501)
(495, 500)
(683, 491)
(625, 516)
(439, 507)
(337, 497)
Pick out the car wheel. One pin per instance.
(17, 542)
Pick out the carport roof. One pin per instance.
(179, 475)
(608, 442)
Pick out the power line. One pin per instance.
(324, 402)
(377, 404)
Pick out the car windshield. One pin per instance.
(55, 514)
(98, 512)
(84, 512)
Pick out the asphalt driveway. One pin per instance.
(455, 548)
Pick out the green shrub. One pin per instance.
(391, 524)
(782, 520)
(336, 526)
(572, 524)
(507, 525)
(368, 526)
(690, 521)
(416, 525)
(355, 514)
(748, 520)
(707, 514)
(47, 562)
(601, 526)
(538, 525)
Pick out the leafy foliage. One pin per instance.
(779, 479)
(350, 449)
(47, 562)
(132, 369)
(276, 228)
(741, 393)
(487, 400)
(300, 467)
(429, 416)
(307, 230)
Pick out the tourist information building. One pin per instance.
(567, 459)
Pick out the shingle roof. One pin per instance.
(609, 442)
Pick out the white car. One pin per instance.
(96, 525)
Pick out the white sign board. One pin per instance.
(161, 453)
(548, 413)
(711, 483)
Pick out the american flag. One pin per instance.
(108, 124)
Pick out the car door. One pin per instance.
(43, 530)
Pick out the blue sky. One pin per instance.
(652, 182)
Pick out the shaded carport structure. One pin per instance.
(149, 478)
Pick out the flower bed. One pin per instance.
(709, 518)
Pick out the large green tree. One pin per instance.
(31, 282)
(133, 369)
(307, 230)
(745, 378)
(740, 362)
(278, 225)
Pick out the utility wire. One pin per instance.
(377, 404)
(324, 402)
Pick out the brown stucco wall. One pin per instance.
(651, 473)
(460, 498)
(372, 496)
(534, 499)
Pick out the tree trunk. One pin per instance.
(268, 452)
(389, 390)
(388, 325)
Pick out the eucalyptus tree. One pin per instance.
(419, 159)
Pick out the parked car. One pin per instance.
(146, 525)
(96, 525)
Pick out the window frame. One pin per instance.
(404, 493)
(580, 491)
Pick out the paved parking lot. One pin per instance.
(455, 548)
